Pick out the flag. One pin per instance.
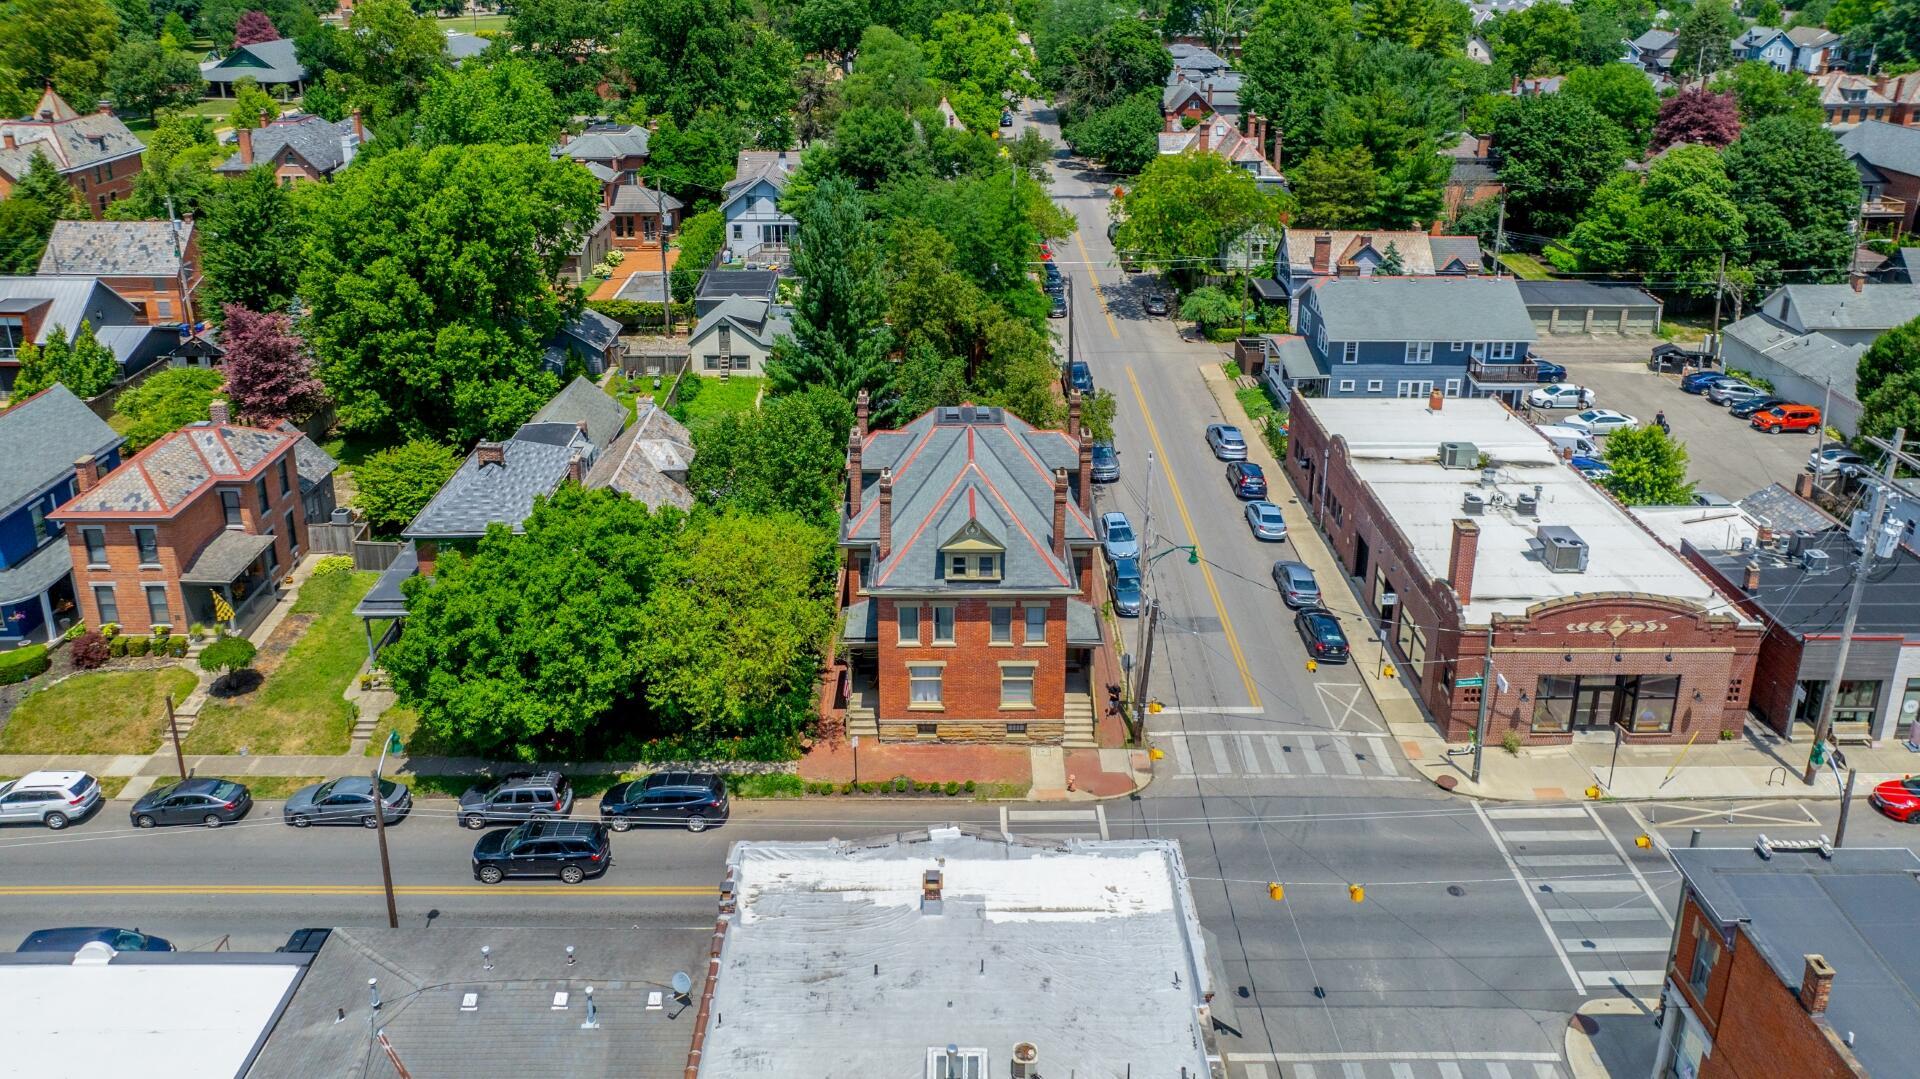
(222, 610)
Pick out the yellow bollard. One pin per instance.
(1153, 707)
(1388, 672)
(1312, 666)
(1593, 791)
(1275, 892)
(1643, 841)
(1357, 892)
(1157, 754)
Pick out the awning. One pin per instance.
(38, 573)
(1296, 359)
(1268, 290)
(385, 599)
(1083, 623)
(225, 559)
(862, 623)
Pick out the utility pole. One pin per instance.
(380, 829)
(1820, 432)
(1854, 595)
(1146, 665)
(1500, 239)
(1486, 699)
(1719, 289)
(1146, 544)
(173, 725)
(1846, 803)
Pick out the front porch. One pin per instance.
(232, 582)
(36, 596)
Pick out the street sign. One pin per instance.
(1474, 682)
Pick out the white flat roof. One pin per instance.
(160, 1020)
(1395, 449)
(1709, 528)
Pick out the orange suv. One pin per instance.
(1786, 418)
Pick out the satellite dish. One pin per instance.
(682, 985)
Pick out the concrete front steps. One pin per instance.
(1080, 722)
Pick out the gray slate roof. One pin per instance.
(313, 138)
(755, 318)
(71, 140)
(1196, 58)
(649, 461)
(636, 199)
(1423, 309)
(1884, 145)
(582, 400)
(41, 438)
(116, 248)
(1838, 307)
(312, 463)
(282, 64)
(1783, 511)
(1654, 40)
(225, 559)
(953, 465)
(608, 142)
(160, 479)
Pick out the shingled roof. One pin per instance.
(70, 140)
(116, 248)
(167, 475)
(40, 439)
(317, 141)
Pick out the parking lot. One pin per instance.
(1726, 456)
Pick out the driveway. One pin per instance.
(1725, 456)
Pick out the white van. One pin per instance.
(1566, 438)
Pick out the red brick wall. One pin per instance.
(92, 183)
(970, 688)
(1902, 186)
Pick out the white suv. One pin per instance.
(54, 799)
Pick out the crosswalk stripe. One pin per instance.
(1256, 1071)
(1247, 754)
(1497, 1070)
(1587, 885)
(1548, 861)
(1402, 1070)
(1616, 944)
(1623, 977)
(1312, 757)
(1536, 812)
(1552, 835)
(1303, 1071)
(1218, 747)
(1182, 756)
(1354, 1071)
(1608, 914)
(1347, 760)
(1377, 747)
(1449, 1070)
(1278, 754)
(1050, 814)
(1545, 1071)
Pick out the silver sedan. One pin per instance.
(1265, 520)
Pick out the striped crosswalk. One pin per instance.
(1389, 1065)
(1611, 931)
(1294, 755)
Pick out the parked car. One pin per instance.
(1264, 519)
(1746, 408)
(691, 800)
(1702, 381)
(208, 802)
(71, 939)
(1547, 370)
(1226, 442)
(1247, 480)
(1786, 418)
(517, 796)
(1567, 438)
(1297, 585)
(1080, 376)
(1059, 308)
(1106, 463)
(1156, 304)
(1116, 536)
(1560, 395)
(1052, 279)
(1591, 467)
(53, 799)
(1832, 459)
(1006, 117)
(1728, 390)
(1599, 421)
(347, 800)
(1320, 631)
(1898, 798)
(572, 850)
(1124, 583)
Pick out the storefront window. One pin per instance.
(1553, 703)
(1857, 702)
(1413, 645)
(1657, 697)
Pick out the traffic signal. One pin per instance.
(1276, 892)
(1357, 892)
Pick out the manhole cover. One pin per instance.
(1447, 783)
(1455, 890)
(1244, 992)
(1585, 1024)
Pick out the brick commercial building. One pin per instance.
(1460, 524)
(201, 523)
(96, 153)
(1792, 960)
(968, 580)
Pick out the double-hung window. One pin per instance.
(1016, 685)
(1036, 625)
(230, 505)
(1001, 620)
(1419, 351)
(923, 685)
(1503, 351)
(1349, 352)
(147, 539)
(943, 624)
(96, 538)
(909, 618)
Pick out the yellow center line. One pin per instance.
(1206, 571)
(1087, 261)
(347, 889)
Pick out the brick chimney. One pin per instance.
(1483, 146)
(1803, 486)
(1752, 582)
(359, 126)
(1858, 280)
(1435, 400)
(1438, 228)
(266, 117)
(1173, 121)
(219, 413)
(577, 468)
(1086, 475)
(1206, 133)
(104, 106)
(490, 453)
(1060, 512)
(1323, 253)
(853, 474)
(1073, 415)
(86, 473)
(886, 513)
(860, 414)
(607, 193)
(1466, 545)
(1816, 985)
(246, 145)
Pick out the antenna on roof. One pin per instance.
(486, 957)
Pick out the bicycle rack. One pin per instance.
(1783, 775)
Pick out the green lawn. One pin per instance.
(298, 708)
(1525, 267)
(104, 712)
(715, 397)
(473, 24)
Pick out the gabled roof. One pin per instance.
(1834, 84)
(640, 199)
(40, 439)
(1839, 307)
(317, 141)
(773, 166)
(309, 460)
(266, 62)
(762, 284)
(533, 464)
(1884, 145)
(1421, 254)
(582, 400)
(649, 460)
(1812, 355)
(1196, 58)
(965, 462)
(116, 248)
(756, 318)
(1809, 37)
(1223, 137)
(71, 140)
(1654, 41)
(1213, 91)
(73, 299)
(1756, 37)
(168, 475)
(1422, 309)
(608, 142)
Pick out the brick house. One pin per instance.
(211, 510)
(154, 265)
(643, 217)
(614, 152)
(97, 153)
(967, 585)
(301, 147)
(1791, 960)
(1593, 622)
(33, 306)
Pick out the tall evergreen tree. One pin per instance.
(839, 338)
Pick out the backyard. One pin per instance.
(97, 712)
(305, 666)
(701, 398)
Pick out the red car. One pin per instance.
(1897, 798)
(1786, 418)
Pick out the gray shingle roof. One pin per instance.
(608, 142)
(773, 166)
(1421, 254)
(1838, 307)
(280, 60)
(1654, 40)
(314, 139)
(465, 46)
(582, 400)
(755, 318)
(478, 496)
(309, 460)
(26, 579)
(1590, 293)
(649, 460)
(636, 199)
(1423, 309)
(1196, 58)
(1884, 145)
(224, 559)
(160, 479)
(115, 248)
(1783, 511)
(41, 438)
(71, 140)
(1811, 36)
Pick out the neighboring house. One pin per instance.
(153, 265)
(968, 583)
(1594, 625)
(593, 249)
(649, 461)
(1904, 92)
(1807, 341)
(316, 468)
(1852, 99)
(1473, 176)
(1766, 45)
(301, 147)
(209, 515)
(1196, 97)
(1479, 51)
(273, 64)
(1589, 307)
(643, 217)
(32, 306)
(1653, 51)
(718, 285)
(1791, 958)
(1197, 61)
(1536, 87)
(1484, 10)
(1410, 336)
(1887, 156)
(1797, 585)
(1216, 134)
(96, 153)
(589, 337)
(41, 439)
(1813, 48)
(758, 231)
(737, 335)
(1308, 255)
(619, 149)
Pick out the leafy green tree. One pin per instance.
(1208, 307)
(250, 242)
(680, 54)
(1621, 93)
(564, 39)
(1764, 91)
(174, 31)
(892, 73)
(1187, 207)
(39, 365)
(395, 484)
(251, 105)
(766, 89)
(1435, 26)
(166, 401)
(1799, 192)
(1894, 355)
(1895, 403)
(839, 340)
(1649, 469)
(1335, 189)
(701, 237)
(136, 18)
(830, 26)
(1554, 150)
(872, 145)
(389, 56)
(178, 166)
(1122, 137)
(327, 100)
(89, 369)
(427, 276)
(925, 380)
(789, 456)
(1222, 21)
(1889, 28)
(226, 657)
(44, 186)
(1392, 263)
(65, 44)
(1097, 413)
(500, 102)
(1670, 226)
(1703, 40)
(1123, 60)
(1292, 60)
(146, 76)
(1545, 39)
(1402, 106)
(24, 228)
(694, 163)
(982, 62)
(1765, 13)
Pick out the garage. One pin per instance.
(1590, 307)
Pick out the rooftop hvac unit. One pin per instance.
(1474, 503)
(1489, 477)
(1560, 549)
(1816, 561)
(1026, 1061)
(1797, 543)
(1528, 505)
(1459, 455)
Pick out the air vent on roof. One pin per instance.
(1474, 502)
(1815, 560)
(1527, 504)
(954, 1062)
(1459, 455)
(1489, 477)
(961, 415)
(1560, 549)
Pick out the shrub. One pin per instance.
(1511, 742)
(901, 784)
(90, 650)
(23, 663)
(869, 788)
(333, 564)
(967, 786)
(177, 647)
(74, 631)
(953, 788)
(227, 655)
(137, 646)
(200, 631)
(110, 630)
(118, 646)
(641, 314)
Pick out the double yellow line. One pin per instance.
(81, 890)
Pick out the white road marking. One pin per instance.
(1303, 1071)
(1247, 755)
(1605, 914)
(1182, 757)
(1347, 760)
(1377, 748)
(1616, 944)
(1540, 813)
(1516, 1056)
(1550, 835)
(1589, 885)
(1602, 978)
(1532, 901)
(1100, 814)
(1631, 868)
(1256, 1071)
(1278, 754)
(1549, 861)
(1545, 1071)
(1449, 1070)
(1402, 1070)
(1050, 814)
(1312, 757)
(1215, 710)
(1498, 1071)
(1341, 702)
(1354, 1071)
(1218, 746)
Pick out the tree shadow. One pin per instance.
(237, 684)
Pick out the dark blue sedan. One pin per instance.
(1247, 480)
(1702, 381)
(1545, 371)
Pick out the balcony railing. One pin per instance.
(1883, 206)
(1493, 371)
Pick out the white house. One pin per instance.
(758, 231)
(737, 335)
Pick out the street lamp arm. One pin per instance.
(1192, 549)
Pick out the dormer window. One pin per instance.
(973, 567)
(972, 554)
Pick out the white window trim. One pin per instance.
(940, 683)
(1453, 387)
(1349, 352)
(1503, 351)
(1346, 385)
(1375, 385)
(1457, 345)
(1419, 352)
(1032, 670)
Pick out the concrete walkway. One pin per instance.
(1613, 1038)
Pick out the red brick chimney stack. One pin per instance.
(1466, 545)
(1752, 582)
(359, 127)
(490, 453)
(1086, 475)
(853, 474)
(86, 473)
(1858, 280)
(577, 468)
(219, 413)
(1816, 985)
(1060, 512)
(886, 513)
(1323, 253)
(860, 414)
(246, 145)
(1073, 415)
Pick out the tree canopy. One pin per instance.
(396, 483)
(1182, 211)
(1649, 468)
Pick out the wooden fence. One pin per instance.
(344, 535)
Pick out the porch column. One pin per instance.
(46, 615)
(367, 624)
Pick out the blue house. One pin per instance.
(41, 440)
(758, 231)
(1409, 336)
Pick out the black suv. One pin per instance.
(517, 796)
(570, 850)
(693, 799)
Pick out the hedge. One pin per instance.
(641, 314)
(23, 663)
